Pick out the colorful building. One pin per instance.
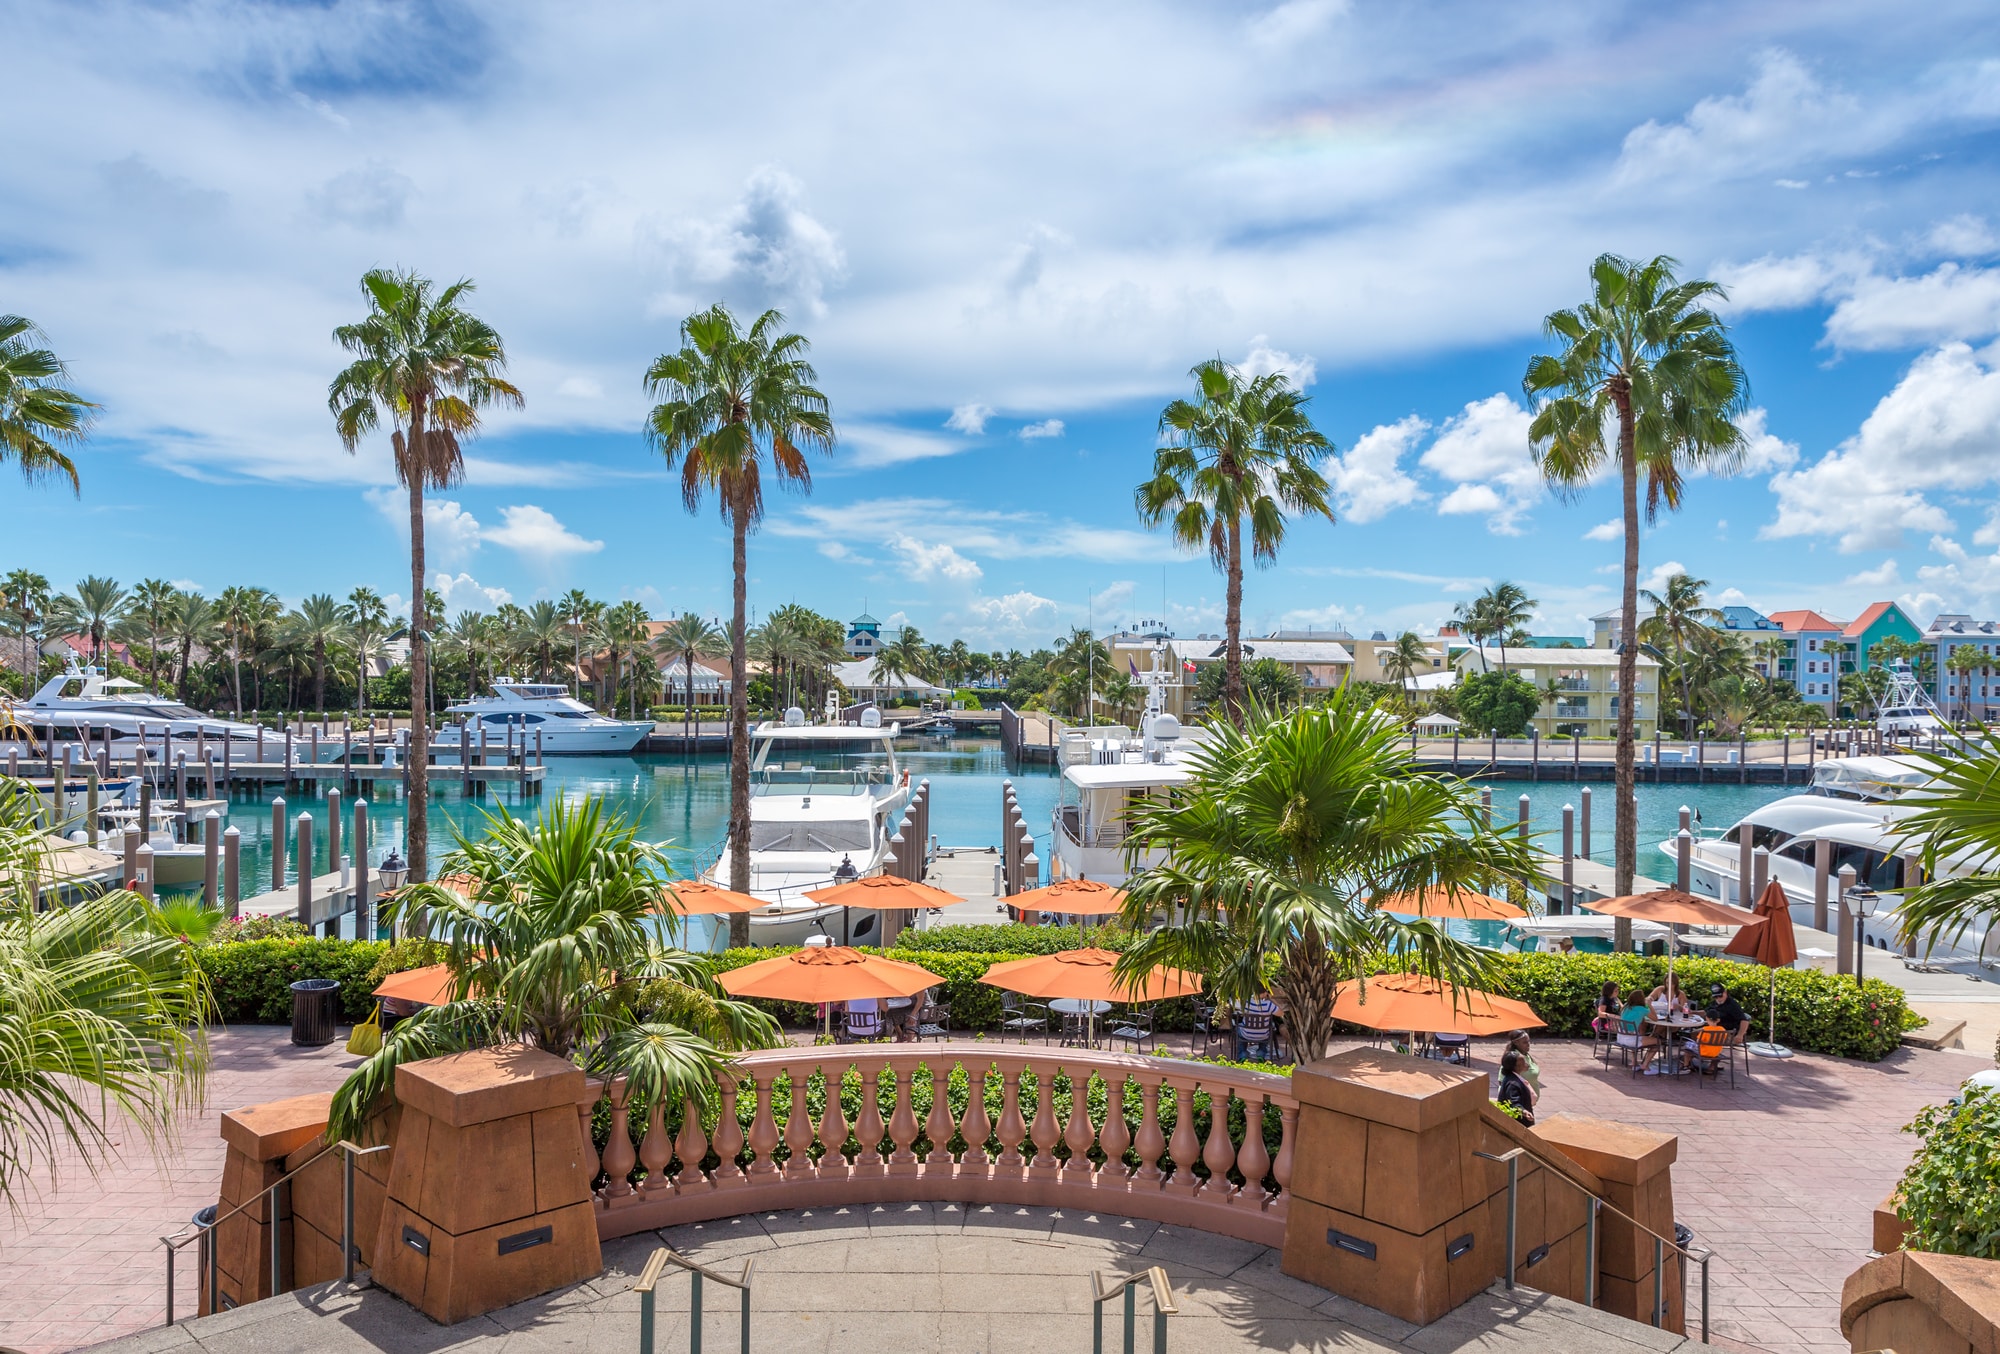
(1579, 688)
(864, 637)
(1817, 657)
(1976, 693)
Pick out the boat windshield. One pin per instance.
(846, 834)
(804, 778)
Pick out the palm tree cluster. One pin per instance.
(1498, 617)
(1713, 681)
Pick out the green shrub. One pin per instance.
(252, 979)
(1950, 1195)
(1012, 939)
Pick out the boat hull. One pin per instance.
(560, 743)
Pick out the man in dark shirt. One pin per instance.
(1724, 1010)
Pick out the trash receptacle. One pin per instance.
(315, 1004)
(1684, 1237)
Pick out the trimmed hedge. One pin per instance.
(1012, 939)
(1817, 1012)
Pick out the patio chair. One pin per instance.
(1256, 1037)
(1713, 1047)
(1452, 1048)
(1631, 1039)
(1022, 1017)
(1131, 1027)
(857, 1027)
(1205, 1023)
(1603, 1037)
(933, 1021)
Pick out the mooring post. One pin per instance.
(232, 864)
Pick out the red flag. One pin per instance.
(1187, 665)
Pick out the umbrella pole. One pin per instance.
(1771, 1048)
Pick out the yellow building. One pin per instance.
(1579, 688)
(1368, 655)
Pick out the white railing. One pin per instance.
(777, 1141)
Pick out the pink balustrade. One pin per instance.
(1220, 1179)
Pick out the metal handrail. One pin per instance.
(181, 1238)
(1128, 1284)
(1701, 1255)
(649, 1278)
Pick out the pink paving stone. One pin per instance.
(1778, 1176)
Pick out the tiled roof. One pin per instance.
(1804, 620)
(1859, 626)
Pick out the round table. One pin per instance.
(1081, 1006)
(1671, 1026)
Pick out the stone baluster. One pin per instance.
(728, 1137)
(1150, 1143)
(799, 1131)
(656, 1149)
(1184, 1147)
(1281, 1168)
(690, 1146)
(975, 1125)
(1253, 1158)
(619, 1158)
(903, 1128)
(1219, 1153)
(833, 1120)
(1011, 1130)
(1078, 1133)
(937, 1124)
(763, 1129)
(585, 1110)
(868, 1130)
(1116, 1136)
(1044, 1132)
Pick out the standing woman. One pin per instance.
(1514, 1093)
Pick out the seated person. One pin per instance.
(1724, 1010)
(1254, 1024)
(1667, 999)
(1610, 1006)
(1514, 1092)
(1634, 1016)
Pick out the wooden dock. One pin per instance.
(331, 899)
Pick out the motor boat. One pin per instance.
(1906, 714)
(536, 714)
(825, 799)
(83, 707)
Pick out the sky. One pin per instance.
(1009, 232)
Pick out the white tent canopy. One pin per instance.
(1442, 722)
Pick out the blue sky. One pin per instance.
(1009, 232)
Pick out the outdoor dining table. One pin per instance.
(1089, 1010)
(1669, 1027)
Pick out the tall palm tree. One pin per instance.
(102, 1014)
(428, 365)
(1506, 609)
(577, 611)
(1962, 662)
(556, 947)
(248, 616)
(625, 632)
(38, 417)
(147, 612)
(1682, 625)
(366, 617)
(542, 631)
(1408, 658)
(684, 639)
(319, 628)
(89, 609)
(736, 405)
(1243, 448)
(1644, 355)
(24, 594)
(1274, 851)
(195, 622)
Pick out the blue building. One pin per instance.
(864, 636)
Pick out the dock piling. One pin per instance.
(333, 825)
(1583, 836)
(1843, 948)
(143, 869)
(305, 914)
(1684, 860)
(90, 805)
(211, 850)
(277, 843)
(1822, 870)
(1743, 868)
(1569, 860)
(232, 867)
(131, 857)
(1760, 871)
(364, 902)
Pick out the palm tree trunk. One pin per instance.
(1306, 983)
(739, 721)
(1232, 653)
(1626, 835)
(416, 847)
(687, 706)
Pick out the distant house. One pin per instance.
(1585, 696)
(711, 681)
(1882, 620)
(1976, 692)
(1369, 653)
(864, 637)
(1811, 665)
(859, 679)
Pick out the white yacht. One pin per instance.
(822, 797)
(529, 709)
(82, 707)
(1907, 714)
(1106, 772)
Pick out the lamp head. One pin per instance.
(392, 871)
(845, 872)
(1862, 901)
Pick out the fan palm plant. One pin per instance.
(1273, 851)
(1646, 356)
(1407, 657)
(38, 417)
(1682, 624)
(577, 611)
(542, 631)
(366, 616)
(428, 365)
(24, 595)
(249, 615)
(194, 623)
(319, 628)
(102, 1014)
(147, 612)
(1244, 449)
(89, 609)
(627, 629)
(734, 406)
(558, 946)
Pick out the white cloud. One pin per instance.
(1780, 283)
(1950, 302)
(924, 561)
(765, 249)
(1014, 612)
(1938, 429)
(581, 388)
(1883, 575)
(1656, 581)
(992, 532)
(1963, 236)
(969, 419)
(1614, 530)
(463, 592)
(1764, 451)
(1263, 360)
(1294, 21)
(1048, 427)
(1485, 448)
(1332, 616)
(371, 198)
(536, 533)
(450, 532)
(1368, 480)
(869, 446)
(1783, 117)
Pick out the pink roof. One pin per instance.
(1803, 620)
(1859, 626)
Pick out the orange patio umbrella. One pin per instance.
(1670, 907)
(690, 898)
(827, 973)
(883, 893)
(1085, 975)
(427, 986)
(1463, 904)
(1078, 897)
(1409, 1001)
(1769, 940)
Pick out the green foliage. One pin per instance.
(252, 979)
(1950, 1195)
(1269, 683)
(1012, 939)
(1497, 702)
(258, 928)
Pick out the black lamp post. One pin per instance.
(392, 872)
(1862, 901)
(845, 873)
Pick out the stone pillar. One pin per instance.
(259, 1138)
(1389, 1207)
(489, 1193)
(1635, 1167)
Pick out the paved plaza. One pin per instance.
(1778, 1176)
(913, 1278)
